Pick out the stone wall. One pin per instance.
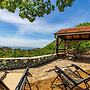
(23, 62)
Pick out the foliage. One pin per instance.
(31, 9)
(9, 52)
(49, 49)
(84, 44)
(83, 24)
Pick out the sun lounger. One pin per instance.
(21, 83)
(70, 77)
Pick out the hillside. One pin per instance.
(10, 52)
(49, 49)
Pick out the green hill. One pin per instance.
(9, 52)
(84, 44)
(49, 49)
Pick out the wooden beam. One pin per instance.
(80, 37)
(60, 42)
(78, 46)
(57, 41)
(65, 46)
(77, 39)
(89, 36)
(68, 44)
(76, 33)
(72, 36)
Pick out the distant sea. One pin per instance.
(26, 48)
(14, 47)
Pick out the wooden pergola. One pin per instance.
(71, 34)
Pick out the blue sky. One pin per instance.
(17, 32)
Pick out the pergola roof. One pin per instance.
(78, 33)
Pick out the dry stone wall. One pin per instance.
(23, 62)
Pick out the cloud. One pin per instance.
(24, 27)
(18, 42)
(42, 27)
(6, 16)
(38, 26)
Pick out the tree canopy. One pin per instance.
(83, 24)
(31, 9)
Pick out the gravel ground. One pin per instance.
(40, 73)
(43, 79)
(40, 76)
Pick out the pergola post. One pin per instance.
(70, 34)
(65, 47)
(57, 44)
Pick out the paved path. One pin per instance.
(12, 79)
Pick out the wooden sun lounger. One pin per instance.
(3, 86)
(21, 83)
(71, 78)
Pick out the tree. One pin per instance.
(83, 24)
(31, 9)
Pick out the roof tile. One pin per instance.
(74, 30)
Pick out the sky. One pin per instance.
(17, 32)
